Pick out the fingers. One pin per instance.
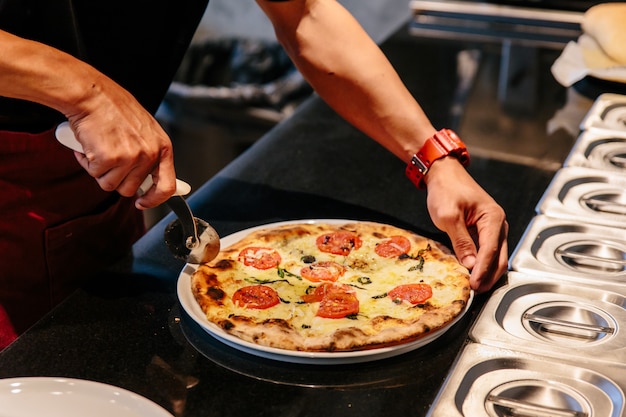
(492, 260)
(164, 185)
(484, 250)
(475, 223)
(111, 176)
(462, 243)
(121, 162)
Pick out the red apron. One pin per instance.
(57, 227)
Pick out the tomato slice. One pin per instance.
(336, 305)
(318, 294)
(258, 297)
(323, 289)
(413, 293)
(393, 247)
(259, 257)
(341, 242)
(336, 300)
(323, 271)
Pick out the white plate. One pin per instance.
(65, 397)
(189, 304)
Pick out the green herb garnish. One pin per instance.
(364, 280)
(266, 281)
(282, 272)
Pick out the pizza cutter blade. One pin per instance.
(187, 237)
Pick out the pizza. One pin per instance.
(332, 287)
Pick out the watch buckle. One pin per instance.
(419, 164)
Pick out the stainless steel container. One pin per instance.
(599, 149)
(550, 342)
(487, 381)
(586, 195)
(607, 113)
(553, 318)
(572, 251)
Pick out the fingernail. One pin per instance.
(469, 261)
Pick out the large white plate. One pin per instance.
(66, 397)
(192, 308)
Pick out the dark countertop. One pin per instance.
(127, 329)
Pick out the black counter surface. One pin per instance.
(128, 330)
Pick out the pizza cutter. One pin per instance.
(188, 238)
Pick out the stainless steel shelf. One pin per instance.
(493, 22)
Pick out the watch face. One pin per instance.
(455, 145)
(449, 139)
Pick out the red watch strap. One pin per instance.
(443, 143)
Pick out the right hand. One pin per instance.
(122, 144)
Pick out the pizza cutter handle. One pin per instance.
(187, 237)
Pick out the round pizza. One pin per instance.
(330, 287)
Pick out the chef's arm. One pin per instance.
(350, 72)
(122, 141)
(36, 72)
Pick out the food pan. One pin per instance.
(607, 113)
(487, 381)
(571, 251)
(555, 318)
(600, 150)
(586, 195)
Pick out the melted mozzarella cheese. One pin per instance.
(370, 275)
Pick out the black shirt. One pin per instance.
(137, 43)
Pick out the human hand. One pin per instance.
(475, 223)
(122, 144)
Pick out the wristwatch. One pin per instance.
(441, 144)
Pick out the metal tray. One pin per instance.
(586, 195)
(607, 113)
(556, 319)
(486, 381)
(571, 251)
(599, 149)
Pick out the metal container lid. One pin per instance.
(493, 382)
(608, 112)
(572, 251)
(555, 318)
(586, 195)
(599, 149)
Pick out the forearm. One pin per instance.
(36, 72)
(350, 72)
(122, 142)
(353, 76)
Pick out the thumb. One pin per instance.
(463, 245)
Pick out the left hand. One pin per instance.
(475, 223)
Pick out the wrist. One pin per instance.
(86, 95)
(442, 144)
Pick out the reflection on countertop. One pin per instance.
(532, 120)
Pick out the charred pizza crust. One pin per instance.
(294, 324)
